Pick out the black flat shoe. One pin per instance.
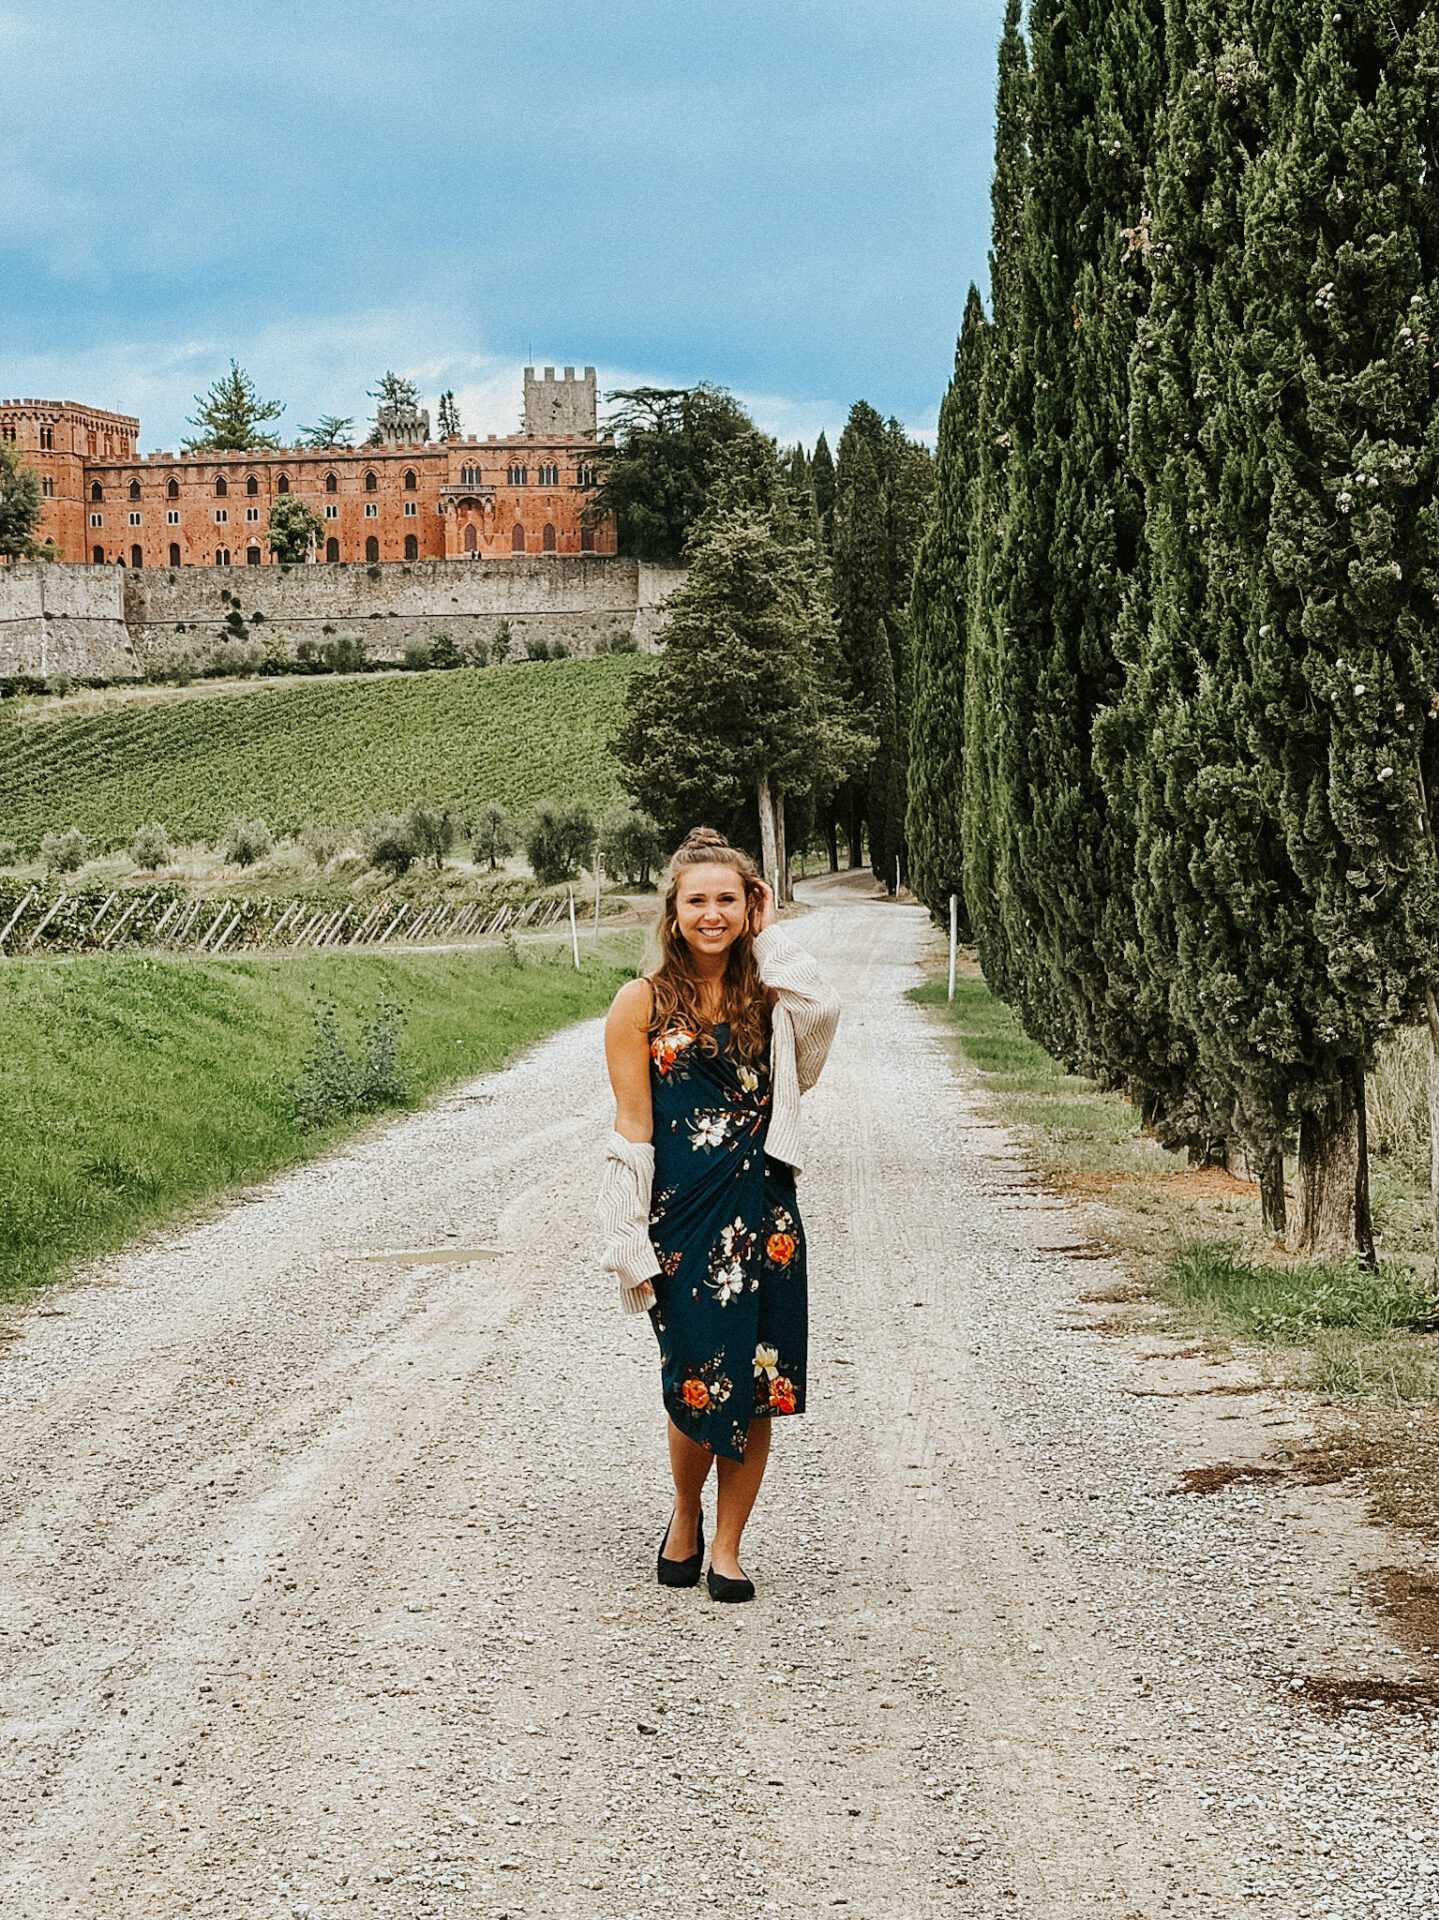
(722, 1589)
(681, 1573)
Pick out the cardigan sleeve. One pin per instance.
(812, 1005)
(624, 1216)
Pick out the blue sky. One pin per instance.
(787, 197)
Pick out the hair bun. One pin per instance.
(698, 837)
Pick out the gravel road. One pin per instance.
(326, 1579)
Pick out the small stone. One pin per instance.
(645, 1727)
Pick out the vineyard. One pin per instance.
(327, 753)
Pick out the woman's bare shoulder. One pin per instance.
(634, 1001)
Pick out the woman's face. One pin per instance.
(711, 908)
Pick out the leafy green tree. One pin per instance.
(656, 479)
(632, 846)
(390, 390)
(862, 593)
(559, 841)
(821, 473)
(231, 416)
(330, 430)
(940, 612)
(150, 847)
(494, 837)
(449, 419)
(390, 845)
(293, 529)
(21, 505)
(64, 852)
(431, 831)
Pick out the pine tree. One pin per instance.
(448, 425)
(822, 479)
(231, 415)
(939, 615)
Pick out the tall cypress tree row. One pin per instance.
(861, 591)
(939, 618)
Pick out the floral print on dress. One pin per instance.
(707, 1387)
(731, 1264)
(709, 1129)
(667, 1048)
(774, 1392)
(781, 1242)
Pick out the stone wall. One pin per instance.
(105, 622)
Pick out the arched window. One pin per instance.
(587, 539)
(174, 553)
(222, 486)
(97, 492)
(332, 549)
(469, 539)
(134, 489)
(412, 547)
(372, 483)
(282, 485)
(372, 548)
(548, 540)
(97, 554)
(517, 540)
(411, 480)
(252, 485)
(332, 483)
(172, 488)
(222, 556)
(137, 557)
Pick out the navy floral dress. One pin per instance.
(731, 1305)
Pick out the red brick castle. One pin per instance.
(411, 498)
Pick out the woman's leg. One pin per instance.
(690, 1464)
(739, 1482)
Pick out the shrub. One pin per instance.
(504, 640)
(632, 846)
(248, 841)
(65, 852)
(275, 652)
(59, 684)
(334, 1082)
(388, 845)
(323, 842)
(538, 648)
(431, 832)
(444, 653)
(345, 654)
(558, 841)
(151, 847)
(234, 659)
(494, 837)
(174, 665)
(9, 853)
(418, 656)
(477, 653)
(617, 640)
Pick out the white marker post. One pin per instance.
(599, 872)
(574, 930)
(896, 876)
(953, 938)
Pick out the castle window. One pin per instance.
(133, 519)
(252, 513)
(222, 515)
(411, 482)
(222, 556)
(222, 486)
(372, 548)
(47, 487)
(587, 539)
(372, 510)
(517, 540)
(412, 547)
(134, 489)
(97, 554)
(97, 492)
(586, 477)
(97, 519)
(252, 485)
(252, 556)
(172, 516)
(174, 553)
(137, 557)
(372, 484)
(332, 550)
(549, 476)
(412, 509)
(47, 439)
(7, 432)
(331, 513)
(469, 476)
(519, 476)
(282, 485)
(172, 488)
(470, 542)
(548, 540)
(332, 483)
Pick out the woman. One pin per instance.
(708, 1057)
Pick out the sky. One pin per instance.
(785, 197)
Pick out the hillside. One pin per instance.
(330, 750)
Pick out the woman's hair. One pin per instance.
(676, 997)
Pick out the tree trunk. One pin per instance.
(769, 854)
(1333, 1178)
(1273, 1201)
(1432, 1007)
(831, 840)
(856, 834)
(786, 885)
(1207, 1151)
(1363, 1217)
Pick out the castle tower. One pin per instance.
(561, 406)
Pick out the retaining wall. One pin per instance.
(59, 619)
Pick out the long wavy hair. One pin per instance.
(676, 988)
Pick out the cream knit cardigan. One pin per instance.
(806, 1013)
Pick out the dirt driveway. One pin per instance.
(326, 1580)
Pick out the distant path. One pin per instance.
(326, 1586)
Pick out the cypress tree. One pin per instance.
(861, 590)
(940, 611)
(821, 469)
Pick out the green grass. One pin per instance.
(335, 752)
(138, 1088)
(1292, 1301)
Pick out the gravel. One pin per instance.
(326, 1582)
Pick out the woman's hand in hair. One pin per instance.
(763, 913)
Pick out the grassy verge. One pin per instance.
(1193, 1241)
(137, 1088)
